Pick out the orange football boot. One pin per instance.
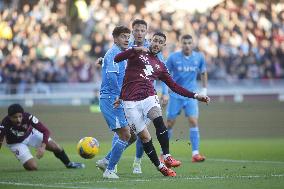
(171, 162)
(198, 158)
(167, 172)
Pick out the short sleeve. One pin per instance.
(111, 66)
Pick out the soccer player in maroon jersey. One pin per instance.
(141, 102)
(22, 130)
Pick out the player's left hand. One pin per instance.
(203, 98)
(116, 103)
(40, 151)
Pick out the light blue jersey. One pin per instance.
(185, 69)
(112, 79)
(109, 87)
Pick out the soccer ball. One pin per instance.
(88, 147)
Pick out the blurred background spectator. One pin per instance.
(59, 41)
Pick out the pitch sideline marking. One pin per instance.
(181, 178)
(245, 161)
(61, 185)
(225, 160)
(49, 186)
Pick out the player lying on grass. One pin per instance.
(23, 130)
(141, 103)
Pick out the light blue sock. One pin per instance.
(114, 139)
(170, 132)
(116, 153)
(194, 138)
(139, 148)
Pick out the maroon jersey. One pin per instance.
(141, 71)
(16, 134)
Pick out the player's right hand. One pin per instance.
(40, 151)
(99, 61)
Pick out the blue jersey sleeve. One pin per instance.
(111, 66)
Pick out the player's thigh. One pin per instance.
(191, 108)
(134, 114)
(21, 152)
(35, 139)
(115, 117)
(174, 108)
(150, 103)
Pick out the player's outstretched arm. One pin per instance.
(129, 53)
(165, 77)
(124, 55)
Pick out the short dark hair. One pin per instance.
(139, 21)
(119, 30)
(160, 34)
(186, 36)
(15, 108)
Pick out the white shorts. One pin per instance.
(22, 151)
(136, 112)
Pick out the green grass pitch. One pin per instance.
(243, 143)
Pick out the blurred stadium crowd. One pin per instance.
(38, 44)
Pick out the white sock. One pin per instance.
(137, 160)
(167, 155)
(160, 166)
(195, 152)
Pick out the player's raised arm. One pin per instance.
(123, 55)
(165, 77)
(129, 53)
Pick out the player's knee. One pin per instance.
(127, 136)
(154, 113)
(170, 124)
(124, 134)
(193, 122)
(132, 139)
(30, 165)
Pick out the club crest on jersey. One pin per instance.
(144, 59)
(157, 66)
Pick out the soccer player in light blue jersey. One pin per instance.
(112, 79)
(184, 66)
